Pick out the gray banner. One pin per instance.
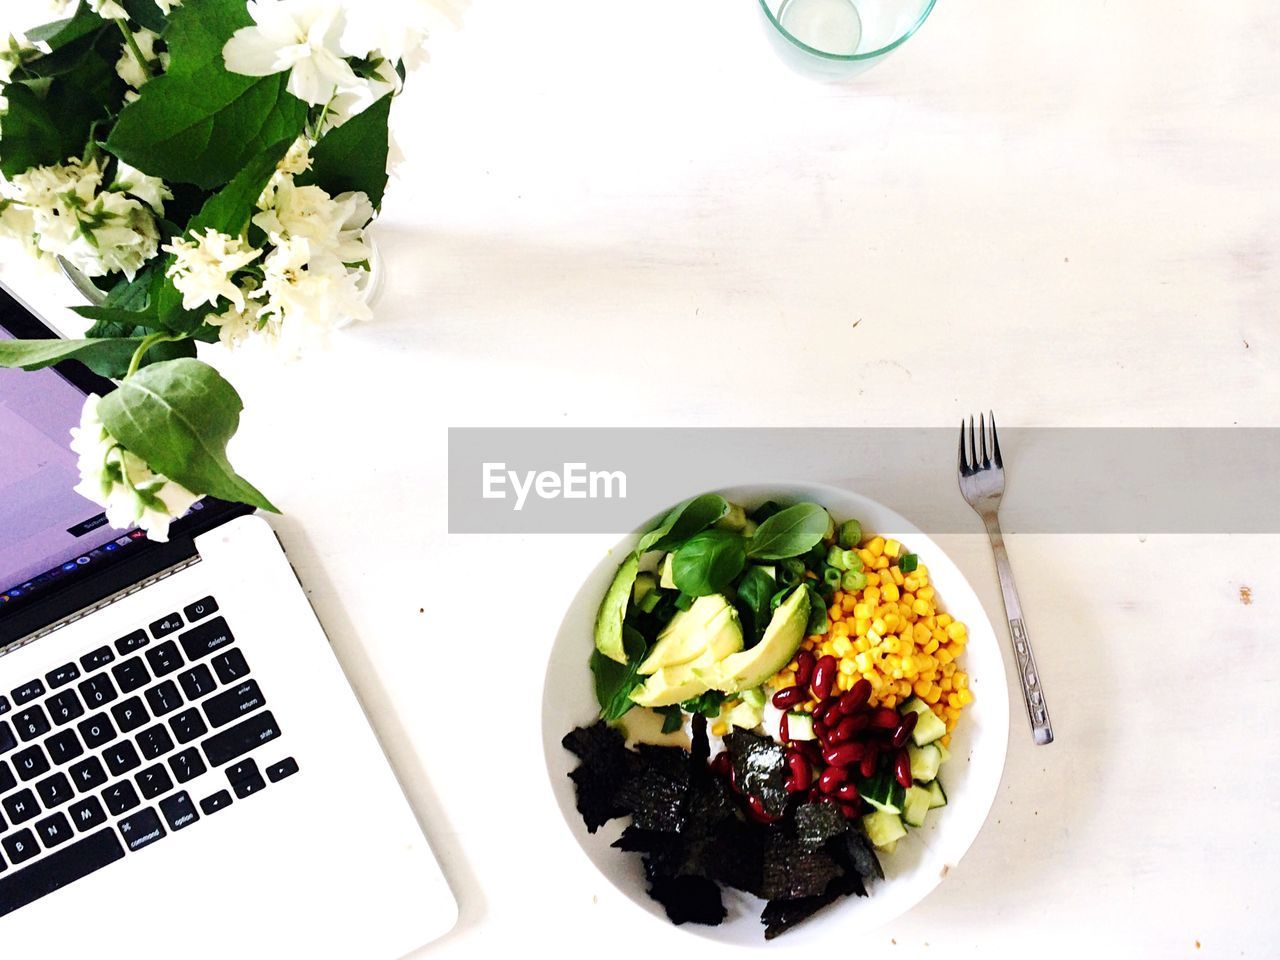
(1058, 480)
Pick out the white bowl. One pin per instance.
(922, 859)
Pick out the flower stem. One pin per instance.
(147, 343)
(132, 44)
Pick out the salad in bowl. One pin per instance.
(776, 689)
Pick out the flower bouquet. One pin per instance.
(213, 167)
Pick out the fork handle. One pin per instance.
(1028, 675)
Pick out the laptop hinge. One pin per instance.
(104, 602)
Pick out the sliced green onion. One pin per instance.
(853, 580)
(831, 576)
(684, 601)
(908, 563)
(649, 601)
(835, 558)
(852, 561)
(850, 534)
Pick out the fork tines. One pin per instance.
(976, 452)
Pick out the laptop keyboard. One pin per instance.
(95, 754)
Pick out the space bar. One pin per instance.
(23, 887)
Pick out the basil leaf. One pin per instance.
(683, 521)
(199, 123)
(613, 608)
(708, 562)
(708, 704)
(614, 681)
(790, 532)
(818, 623)
(354, 155)
(178, 417)
(672, 718)
(755, 590)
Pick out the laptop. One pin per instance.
(184, 769)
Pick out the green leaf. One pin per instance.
(790, 532)
(614, 681)
(684, 521)
(613, 608)
(672, 718)
(178, 416)
(200, 123)
(59, 33)
(708, 562)
(107, 358)
(708, 704)
(755, 590)
(354, 155)
(146, 13)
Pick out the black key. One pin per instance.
(166, 625)
(62, 676)
(20, 806)
(54, 791)
(187, 765)
(188, 725)
(98, 691)
(154, 742)
(87, 814)
(164, 698)
(219, 801)
(30, 763)
(21, 847)
(7, 779)
(63, 746)
(28, 692)
(244, 770)
(179, 811)
(96, 660)
(53, 831)
(231, 666)
(97, 731)
(4, 705)
(31, 723)
(142, 829)
(285, 768)
(197, 682)
(235, 742)
(88, 774)
(71, 863)
(120, 797)
(134, 641)
(121, 758)
(131, 675)
(235, 703)
(7, 739)
(130, 714)
(244, 788)
(164, 659)
(153, 781)
(64, 707)
(206, 638)
(201, 608)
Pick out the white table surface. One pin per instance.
(633, 214)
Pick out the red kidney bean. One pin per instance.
(848, 793)
(858, 722)
(850, 810)
(902, 768)
(856, 697)
(844, 730)
(788, 697)
(844, 754)
(784, 729)
(801, 776)
(815, 794)
(831, 778)
(908, 724)
(820, 730)
(824, 676)
(885, 718)
(804, 668)
(810, 749)
(868, 765)
(722, 765)
(755, 807)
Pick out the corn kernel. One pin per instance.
(922, 607)
(868, 558)
(961, 680)
(966, 697)
(848, 603)
(876, 546)
(871, 597)
(873, 578)
(921, 687)
(891, 592)
(840, 629)
(897, 576)
(862, 625)
(841, 646)
(911, 583)
(944, 620)
(848, 667)
(934, 694)
(957, 630)
(889, 700)
(844, 682)
(926, 593)
(862, 611)
(892, 548)
(720, 729)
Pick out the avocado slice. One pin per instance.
(612, 610)
(712, 622)
(683, 681)
(781, 640)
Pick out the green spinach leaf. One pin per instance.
(672, 718)
(708, 704)
(790, 532)
(683, 521)
(708, 562)
(755, 590)
(614, 681)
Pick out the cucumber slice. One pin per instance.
(800, 726)
(925, 761)
(883, 792)
(937, 798)
(754, 696)
(928, 728)
(946, 754)
(915, 806)
(883, 829)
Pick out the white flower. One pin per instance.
(203, 267)
(122, 232)
(367, 91)
(396, 29)
(297, 159)
(332, 226)
(129, 69)
(108, 9)
(301, 36)
(166, 6)
(18, 225)
(121, 482)
(150, 190)
(236, 324)
(305, 298)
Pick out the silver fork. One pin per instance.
(982, 483)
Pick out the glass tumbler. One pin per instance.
(836, 39)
